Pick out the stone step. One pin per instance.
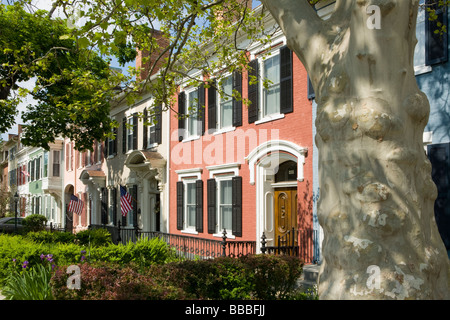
(310, 276)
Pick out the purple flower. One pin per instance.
(83, 258)
(50, 258)
(42, 257)
(25, 264)
(14, 260)
(83, 251)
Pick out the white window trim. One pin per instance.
(219, 234)
(220, 128)
(224, 168)
(418, 70)
(188, 136)
(130, 131)
(270, 117)
(188, 176)
(266, 117)
(185, 173)
(186, 228)
(222, 172)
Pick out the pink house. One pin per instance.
(245, 169)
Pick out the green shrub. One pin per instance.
(274, 276)
(249, 277)
(94, 237)
(144, 253)
(34, 222)
(51, 237)
(19, 248)
(112, 282)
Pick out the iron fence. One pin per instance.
(299, 243)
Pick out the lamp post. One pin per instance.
(16, 200)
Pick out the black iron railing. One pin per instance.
(299, 243)
(185, 246)
(302, 243)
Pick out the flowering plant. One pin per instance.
(32, 283)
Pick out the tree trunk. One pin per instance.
(377, 197)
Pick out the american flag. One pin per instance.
(25, 173)
(125, 201)
(75, 205)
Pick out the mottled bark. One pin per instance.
(377, 197)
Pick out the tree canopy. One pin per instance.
(75, 87)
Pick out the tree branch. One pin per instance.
(299, 22)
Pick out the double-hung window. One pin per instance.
(224, 200)
(56, 163)
(112, 206)
(224, 204)
(129, 133)
(432, 46)
(191, 115)
(226, 103)
(271, 92)
(190, 201)
(191, 120)
(152, 127)
(270, 86)
(190, 205)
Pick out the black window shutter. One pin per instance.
(436, 45)
(158, 124)
(237, 103)
(104, 206)
(124, 218)
(105, 148)
(145, 130)
(201, 109)
(439, 155)
(311, 93)
(211, 199)
(199, 205)
(181, 113)
(212, 106)
(114, 205)
(180, 204)
(114, 151)
(286, 103)
(135, 131)
(237, 206)
(135, 202)
(253, 91)
(124, 135)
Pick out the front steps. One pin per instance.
(309, 278)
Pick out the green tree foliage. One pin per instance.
(73, 85)
(75, 88)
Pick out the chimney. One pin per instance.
(162, 42)
(242, 4)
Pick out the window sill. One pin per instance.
(224, 130)
(189, 231)
(152, 145)
(269, 118)
(191, 138)
(229, 235)
(418, 70)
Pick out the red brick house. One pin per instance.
(247, 169)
